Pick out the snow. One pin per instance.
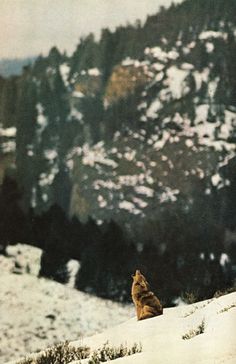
(65, 71)
(109, 184)
(77, 94)
(9, 147)
(201, 112)
(164, 40)
(114, 150)
(8, 132)
(70, 164)
(94, 72)
(201, 77)
(162, 56)
(50, 154)
(135, 179)
(122, 181)
(129, 206)
(212, 87)
(212, 256)
(45, 197)
(141, 106)
(130, 155)
(46, 179)
(209, 47)
(73, 268)
(159, 76)
(36, 313)
(216, 179)
(160, 143)
(212, 134)
(157, 52)
(33, 201)
(143, 118)
(74, 113)
(224, 259)
(30, 153)
(229, 124)
(173, 55)
(175, 81)
(127, 62)
(158, 66)
(96, 154)
(155, 106)
(185, 50)
(143, 190)
(142, 204)
(189, 143)
(42, 121)
(102, 202)
(132, 62)
(211, 34)
(187, 66)
(161, 337)
(192, 45)
(226, 160)
(169, 195)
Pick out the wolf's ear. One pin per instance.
(132, 276)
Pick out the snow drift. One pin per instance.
(175, 337)
(36, 313)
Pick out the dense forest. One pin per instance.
(123, 156)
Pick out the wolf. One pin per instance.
(146, 303)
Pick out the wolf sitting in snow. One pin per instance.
(146, 303)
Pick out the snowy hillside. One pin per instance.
(172, 338)
(200, 333)
(36, 313)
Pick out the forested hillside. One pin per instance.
(124, 154)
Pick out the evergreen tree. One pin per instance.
(26, 171)
(56, 254)
(12, 219)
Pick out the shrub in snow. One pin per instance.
(199, 330)
(59, 354)
(227, 308)
(189, 297)
(64, 353)
(224, 292)
(107, 353)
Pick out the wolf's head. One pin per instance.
(140, 280)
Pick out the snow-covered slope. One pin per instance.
(165, 339)
(36, 313)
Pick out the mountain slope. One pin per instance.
(159, 84)
(162, 337)
(200, 333)
(38, 312)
